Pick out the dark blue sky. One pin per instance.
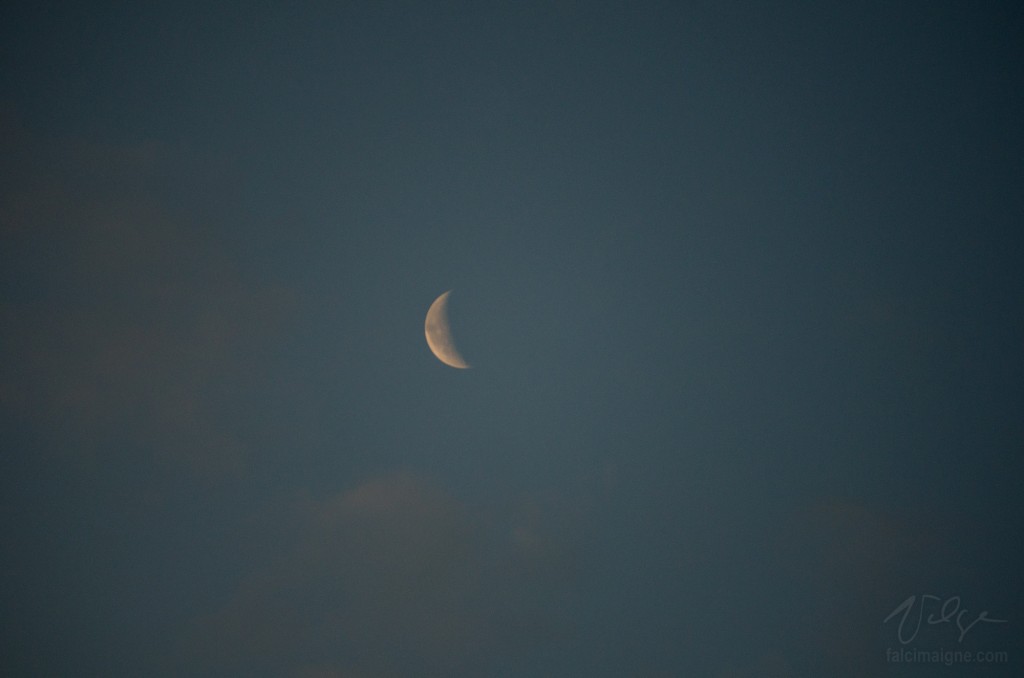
(742, 285)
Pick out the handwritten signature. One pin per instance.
(949, 612)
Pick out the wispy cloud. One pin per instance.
(396, 576)
(121, 319)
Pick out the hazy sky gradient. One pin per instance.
(741, 285)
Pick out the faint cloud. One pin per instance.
(393, 577)
(856, 558)
(122, 322)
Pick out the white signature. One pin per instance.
(949, 613)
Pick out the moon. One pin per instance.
(439, 334)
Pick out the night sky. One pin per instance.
(741, 284)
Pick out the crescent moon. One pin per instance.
(439, 334)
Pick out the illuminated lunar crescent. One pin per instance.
(439, 334)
